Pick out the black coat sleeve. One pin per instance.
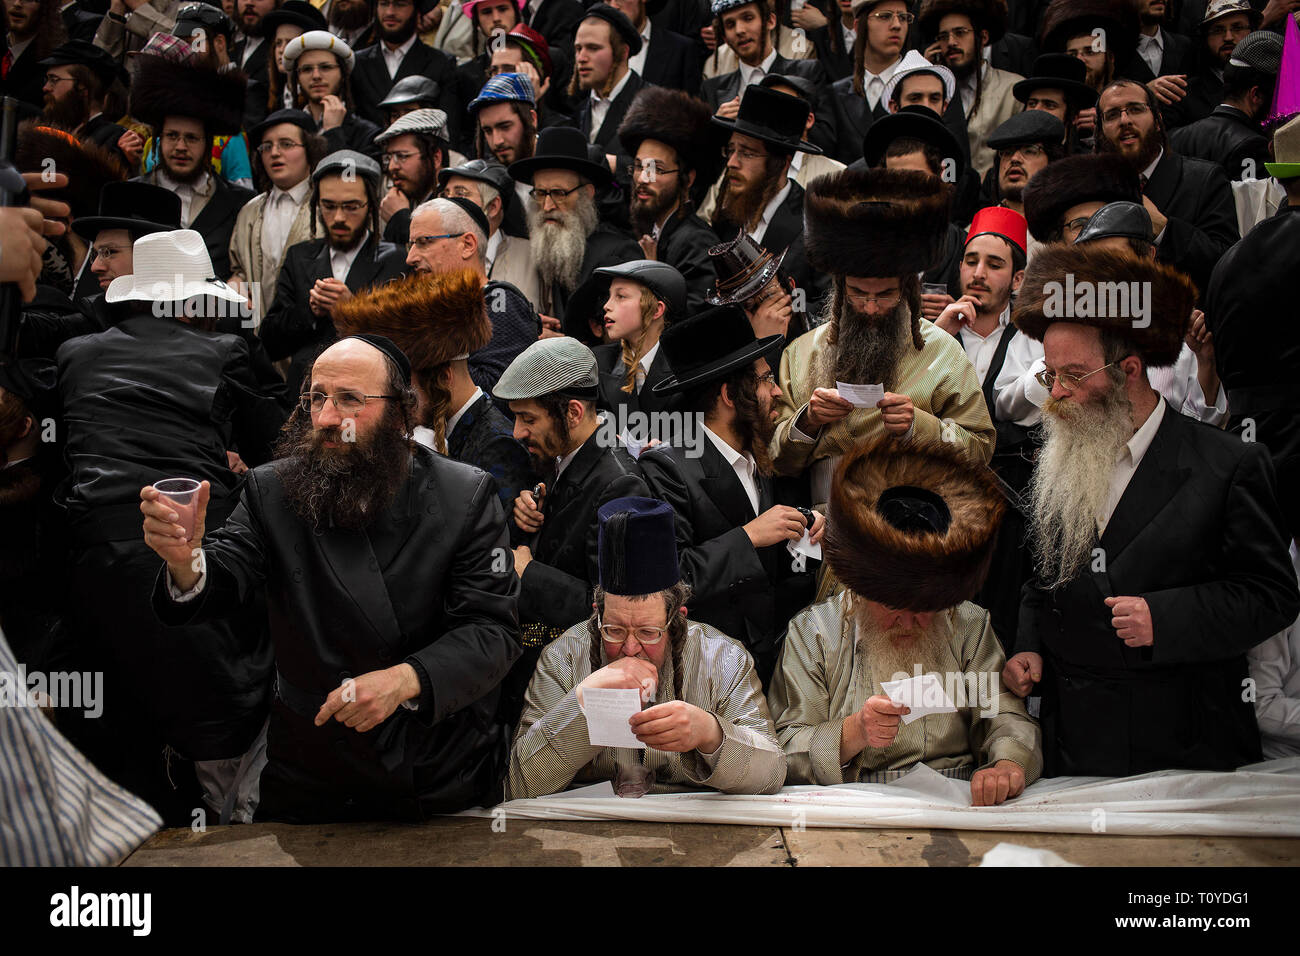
(289, 323)
(256, 412)
(1195, 244)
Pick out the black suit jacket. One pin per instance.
(1197, 199)
(720, 89)
(290, 328)
(853, 119)
(1196, 535)
(557, 20)
(1227, 137)
(747, 593)
(606, 246)
(613, 374)
(684, 243)
(484, 437)
(671, 62)
(80, 24)
(371, 82)
(1175, 59)
(557, 585)
(26, 78)
(420, 585)
(216, 220)
(607, 135)
(1204, 93)
(353, 133)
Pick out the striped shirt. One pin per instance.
(56, 809)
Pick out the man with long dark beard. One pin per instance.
(910, 533)
(873, 232)
(733, 520)
(569, 242)
(1158, 552)
(79, 81)
(389, 608)
(352, 21)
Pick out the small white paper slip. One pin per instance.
(608, 712)
(924, 695)
(804, 546)
(633, 446)
(863, 396)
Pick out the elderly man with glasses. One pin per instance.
(705, 723)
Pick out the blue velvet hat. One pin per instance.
(638, 546)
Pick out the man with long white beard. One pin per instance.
(874, 231)
(569, 242)
(1156, 539)
(910, 533)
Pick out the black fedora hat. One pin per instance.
(776, 118)
(911, 122)
(561, 147)
(744, 269)
(83, 53)
(300, 13)
(1062, 72)
(712, 345)
(139, 208)
(299, 118)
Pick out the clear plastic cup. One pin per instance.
(183, 495)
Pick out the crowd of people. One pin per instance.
(780, 361)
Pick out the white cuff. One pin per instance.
(179, 596)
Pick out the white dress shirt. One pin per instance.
(643, 367)
(454, 420)
(600, 106)
(980, 349)
(742, 463)
(187, 193)
(393, 58)
(637, 62)
(967, 89)
(850, 36)
(759, 231)
(1130, 456)
(796, 161)
(873, 84)
(341, 262)
(1152, 49)
(752, 74)
(278, 214)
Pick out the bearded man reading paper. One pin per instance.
(1156, 538)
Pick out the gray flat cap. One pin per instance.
(1127, 219)
(430, 121)
(344, 160)
(549, 365)
(1261, 50)
(412, 89)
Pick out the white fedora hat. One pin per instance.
(169, 267)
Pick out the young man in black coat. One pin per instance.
(319, 66)
(1159, 556)
(732, 531)
(374, 75)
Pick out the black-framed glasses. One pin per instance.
(351, 207)
(347, 402)
(424, 242)
(1074, 226)
(638, 169)
(1048, 377)
(52, 78)
(283, 145)
(1134, 110)
(617, 634)
(554, 195)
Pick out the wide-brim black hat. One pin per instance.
(711, 346)
(80, 52)
(911, 122)
(1058, 71)
(776, 118)
(561, 147)
(297, 12)
(140, 208)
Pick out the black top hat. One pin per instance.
(561, 147)
(80, 52)
(911, 122)
(711, 345)
(744, 268)
(638, 546)
(139, 208)
(778, 119)
(619, 21)
(484, 171)
(1062, 72)
(195, 17)
(298, 12)
(412, 89)
(1029, 126)
(299, 118)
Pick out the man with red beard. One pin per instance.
(667, 134)
(909, 533)
(873, 232)
(734, 521)
(355, 530)
(1159, 556)
(397, 54)
(1189, 200)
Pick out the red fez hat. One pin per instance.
(1000, 221)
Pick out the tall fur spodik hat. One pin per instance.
(912, 527)
(1061, 273)
(1118, 18)
(1088, 177)
(676, 119)
(875, 223)
(89, 167)
(162, 88)
(988, 15)
(431, 318)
